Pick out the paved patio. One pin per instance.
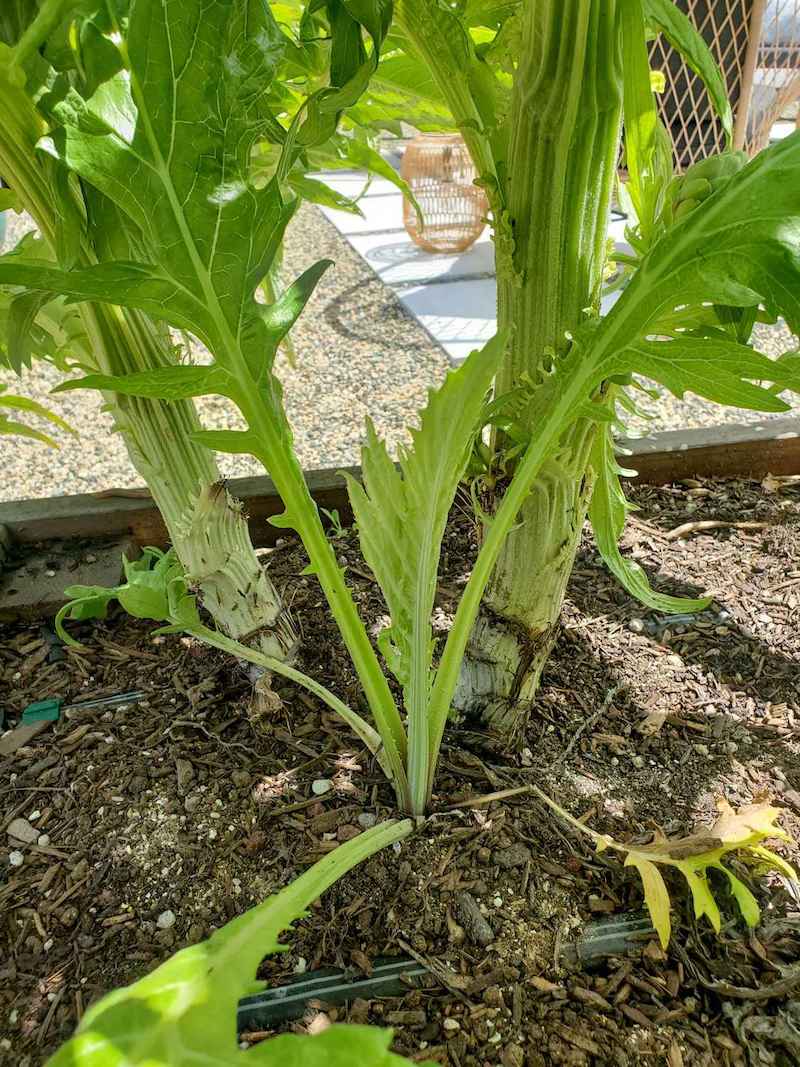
(451, 296)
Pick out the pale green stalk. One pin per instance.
(273, 448)
(157, 434)
(551, 211)
(555, 419)
(285, 472)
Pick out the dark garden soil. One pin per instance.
(159, 820)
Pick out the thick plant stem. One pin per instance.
(517, 626)
(207, 527)
(565, 130)
(180, 474)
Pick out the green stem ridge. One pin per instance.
(157, 434)
(565, 122)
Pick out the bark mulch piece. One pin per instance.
(153, 823)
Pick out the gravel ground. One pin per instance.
(358, 353)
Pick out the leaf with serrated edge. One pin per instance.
(401, 516)
(607, 513)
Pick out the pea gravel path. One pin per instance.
(358, 353)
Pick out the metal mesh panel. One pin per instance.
(684, 105)
(776, 79)
(441, 174)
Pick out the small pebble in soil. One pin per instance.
(367, 819)
(166, 920)
(15, 858)
(470, 917)
(185, 774)
(516, 855)
(21, 830)
(636, 626)
(43, 840)
(451, 1025)
(320, 786)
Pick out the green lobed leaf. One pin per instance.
(608, 510)
(128, 284)
(401, 510)
(740, 247)
(401, 514)
(184, 1012)
(716, 369)
(208, 230)
(161, 383)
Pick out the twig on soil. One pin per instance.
(288, 808)
(211, 736)
(686, 529)
(49, 1017)
(448, 978)
(784, 985)
(488, 798)
(587, 723)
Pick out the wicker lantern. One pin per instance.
(441, 176)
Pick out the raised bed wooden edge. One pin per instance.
(753, 450)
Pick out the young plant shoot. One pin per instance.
(184, 113)
(184, 1012)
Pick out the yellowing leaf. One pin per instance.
(656, 895)
(750, 823)
(696, 854)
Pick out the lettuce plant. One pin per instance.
(184, 1012)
